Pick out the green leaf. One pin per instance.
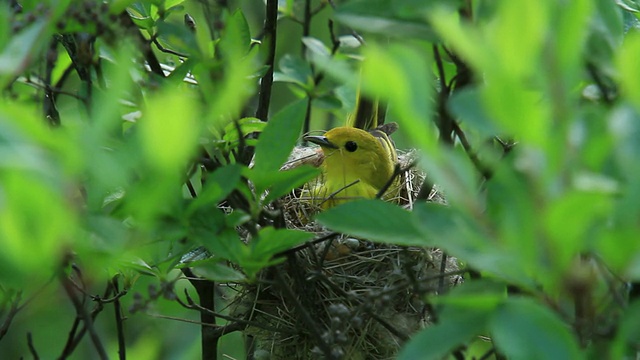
(327, 102)
(219, 184)
(294, 69)
(279, 137)
(15, 56)
(375, 220)
(464, 314)
(236, 39)
(215, 270)
(283, 182)
(466, 104)
(436, 341)
(170, 130)
(247, 126)
(316, 47)
(177, 37)
(404, 18)
(272, 241)
(627, 334)
(523, 329)
(225, 244)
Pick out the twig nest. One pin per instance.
(345, 298)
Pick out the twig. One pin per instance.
(270, 28)
(49, 101)
(206, 294)
(83, 315)
(443, 268)
(473, 156)
(13, 310)
(304, 314)
(598, 79)
(397, 171)
(307, 245)
(32, 348)
(165, 50)
(117, 309)
(193, 306)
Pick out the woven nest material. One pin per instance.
(345, 298)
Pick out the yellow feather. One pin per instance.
(357, 164)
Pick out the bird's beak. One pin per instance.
(322, 141)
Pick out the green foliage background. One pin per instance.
(113, 162)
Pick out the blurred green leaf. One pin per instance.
(523, 329)
(169, 130)
(272, 241)
(236, 39)
(293, 69)
(247, 126)
(464, 313)
(215, 270)
(375, 220)
(224, 243)
(279, 137)
(177, 37)
(15, 57)
(219, 184)
(282, 182)
(327, 102)
(467, 105)
(387, 17)
(628, 69)
(316, 47)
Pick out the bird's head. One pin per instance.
(357, 154)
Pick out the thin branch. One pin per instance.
(206, 294)
(166, 50)
(117, 312)
(308, 320)
(13, 311)
(84, 315)
(443, 268)
(307, 245)
(471, 153)
(270, 29)
(193, 306)
(306, 22)
(397, 171)
(32, 348)
(600, 83)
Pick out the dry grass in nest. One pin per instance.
(348, 297)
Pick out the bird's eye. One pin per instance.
(351, 146)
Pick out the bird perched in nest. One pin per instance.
(359, 159)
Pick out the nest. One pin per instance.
(343, 298)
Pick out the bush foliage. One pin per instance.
(133, 133)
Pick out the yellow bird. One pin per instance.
(357, 164)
